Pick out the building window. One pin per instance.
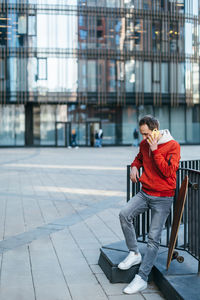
(156, 77)
(42, 68)
(82, 71)
(181, 78)
(156, 32)
(173, 77)
(129, 3)
(111, 80)
(130, 75)
(22, 25)
(195, 74)
(147, 77)
(2, 68)
(32, 25)
(99, 22)
(139, 75)
(164, 78)
(91, 2)
(91, 76)
(82, 21)
(173, 36)
(138, 34)
(3, 29)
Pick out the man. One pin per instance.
(159, 156)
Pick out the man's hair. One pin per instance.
(150, 121)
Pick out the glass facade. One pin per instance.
(85, 64)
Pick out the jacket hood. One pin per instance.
(166, 136)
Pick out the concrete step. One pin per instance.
(181, 281)
(111, 255)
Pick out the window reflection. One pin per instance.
(156, 35)
(129, 42)
(156, 77)
(22, 24)
(32, 25)
(147, 4)
(61, 75)
(18, 74)
(173, 77)
(181, 78)
(129, 3)
(46, 129)
(3, 29)
(173, 36)
(138, 35)
(82, 75)
(48, 27)
(164, 78)
(12, 125)
(147, 77)
(111, 79)
(91, 76)
(130, 75)
(42, 68)
(139, 76)
(196, 83)
(91, 2)
(2, 69)
(101, 78)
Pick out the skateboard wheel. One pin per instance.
(180, 259)
(175, 255)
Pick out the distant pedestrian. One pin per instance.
(135, 137)
(73, 139)
(100, 135)
(96, 139)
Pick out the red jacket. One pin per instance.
(159, 168)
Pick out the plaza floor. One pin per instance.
(58, 206)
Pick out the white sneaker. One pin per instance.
(131, 260)
(136, 285)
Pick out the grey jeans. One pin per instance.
(160, 209)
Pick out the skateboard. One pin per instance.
(178, 212)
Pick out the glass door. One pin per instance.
(91, 129)
(67, 134)
(63, 134)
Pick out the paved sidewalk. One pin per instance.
(58, 206)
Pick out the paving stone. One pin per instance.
(2, 215)
(16, 278)
(96, 269)
(85, 291)
(48, 277)
(109, 288)
(79, 276)
(105, 234)
(32, 213)
(154, 296)
(14, 220)
(127, 297)
(151, 288)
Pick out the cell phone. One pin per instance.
(155, 133)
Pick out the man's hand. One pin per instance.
(134, 175)
(153, 143)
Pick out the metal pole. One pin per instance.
(128, 183)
